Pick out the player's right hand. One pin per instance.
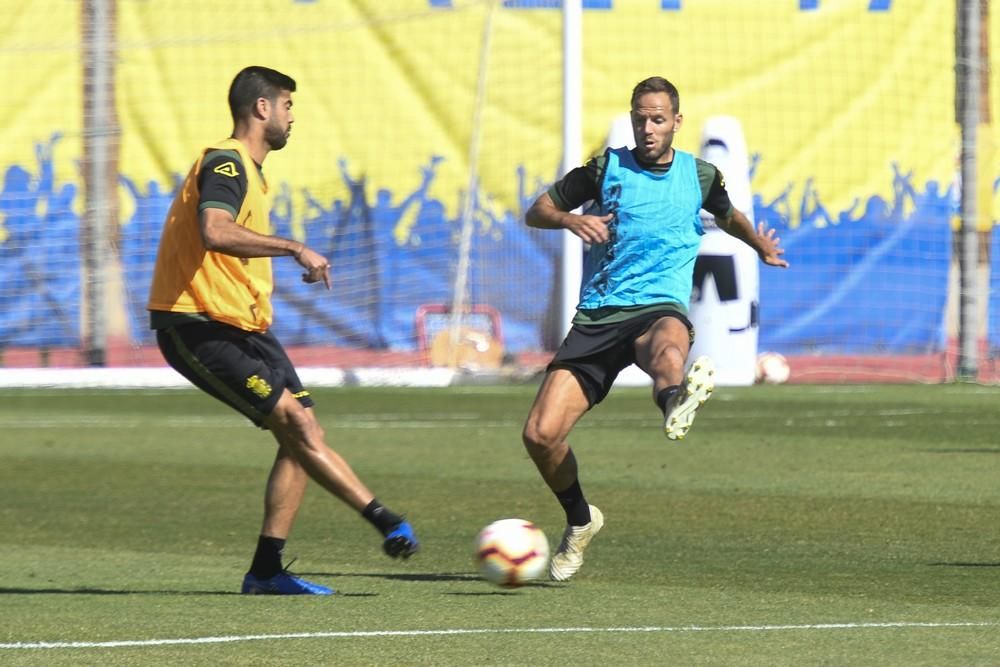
(592, 229)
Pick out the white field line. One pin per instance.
(492, 631)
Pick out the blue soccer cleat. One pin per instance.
(283, 583)
(401, 542)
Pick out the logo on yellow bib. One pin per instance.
(227, 169)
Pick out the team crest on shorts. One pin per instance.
(259, 386)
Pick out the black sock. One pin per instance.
(267, 559)
(664, 396)
(574, 504)
(379, 516)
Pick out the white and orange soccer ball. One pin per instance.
(772, 368)
(511, 552)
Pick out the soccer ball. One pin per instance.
(511, 552)
(772, 368)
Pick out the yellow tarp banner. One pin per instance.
(830, 98)
(404, 107)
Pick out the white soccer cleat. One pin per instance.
(696, 389)
(569, 556)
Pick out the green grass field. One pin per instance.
(796, 525)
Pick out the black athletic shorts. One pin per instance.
(247, 371)
(596, 354)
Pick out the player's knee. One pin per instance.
(305, 426)
(537, 439)
(295, 420)
(668, 361)
(672, 355)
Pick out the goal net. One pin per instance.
(423, 130)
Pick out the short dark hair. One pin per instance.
(657, 84)
(255, 82)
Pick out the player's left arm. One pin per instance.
(764, 241)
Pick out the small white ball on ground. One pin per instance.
(772, 368)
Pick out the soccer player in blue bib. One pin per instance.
(643, 231)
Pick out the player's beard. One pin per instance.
(656, 153)
(276, 137)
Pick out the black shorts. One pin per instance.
(245, 370)
(596, 354)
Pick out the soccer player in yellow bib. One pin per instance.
(643, 234)
(210, 304)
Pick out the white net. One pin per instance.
(853, 158)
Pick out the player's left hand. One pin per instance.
(770, 250)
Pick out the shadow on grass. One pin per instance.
(964, 450)
(964, 564)
(396, 576)
(103, 591)
(506, 591)
(430, 577)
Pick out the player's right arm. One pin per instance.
(552, 209)
(221, 196)
(544, 214)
